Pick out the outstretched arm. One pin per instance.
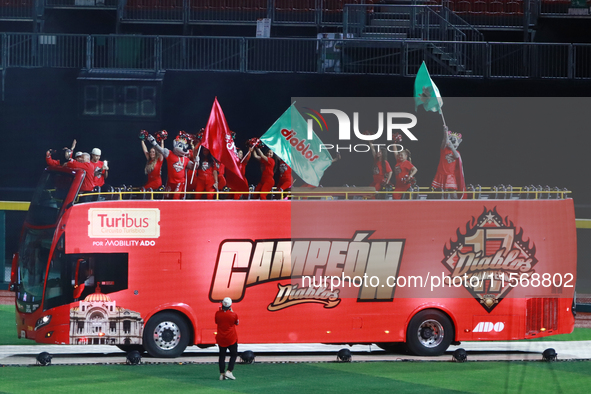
(163, 151)
(246, 157)
(68, 151)
(259, 155)
(145, 149)
(49, 160)
(374, 153)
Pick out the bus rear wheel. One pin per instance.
(429, 333)
(166, 335)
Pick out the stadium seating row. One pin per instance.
(487, 6)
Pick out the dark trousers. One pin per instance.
(233, 354)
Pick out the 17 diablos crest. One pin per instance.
(491, 249)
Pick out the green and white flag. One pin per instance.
(426, 92)
(288, 138)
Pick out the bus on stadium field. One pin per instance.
(336, 268)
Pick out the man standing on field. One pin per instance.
(226, 337)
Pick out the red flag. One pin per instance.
(218, 139)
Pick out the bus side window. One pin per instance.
(104, 273)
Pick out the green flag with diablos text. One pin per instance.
(288, 138)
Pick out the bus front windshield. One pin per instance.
(49, 197)
(40, 225)
(33, 257)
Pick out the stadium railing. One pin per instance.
(299, 55)
(17, 10)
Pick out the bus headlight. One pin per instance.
(42, 322)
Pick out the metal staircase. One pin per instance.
(414, 24)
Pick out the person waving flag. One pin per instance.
(218, 139)
(288, 138)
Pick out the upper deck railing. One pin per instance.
(477, 192)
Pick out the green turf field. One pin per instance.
(8, 327)
(369, 377)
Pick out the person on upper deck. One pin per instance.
(450, 172)
(404, 173)
(267, 168)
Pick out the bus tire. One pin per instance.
(429, 333)
(166, 335)
(129, 348)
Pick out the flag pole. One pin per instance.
(442, 117)
(195, 163)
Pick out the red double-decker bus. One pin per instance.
(150, 273)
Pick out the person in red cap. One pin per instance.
(226, 337)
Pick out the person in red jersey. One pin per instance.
(50, 160)
(82, 160)
(177, 161)
(243, 161)
(101, 168)
(67, 155)
(285, 178)
(207, 175)
(382, 172)
(226, 337)
(267, 168)
(404, 172)
(153, 168)
(450, 173)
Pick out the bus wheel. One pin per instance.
(166, 335)
(429, 333)
(129, 348)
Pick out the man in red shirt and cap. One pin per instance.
(226, 337)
